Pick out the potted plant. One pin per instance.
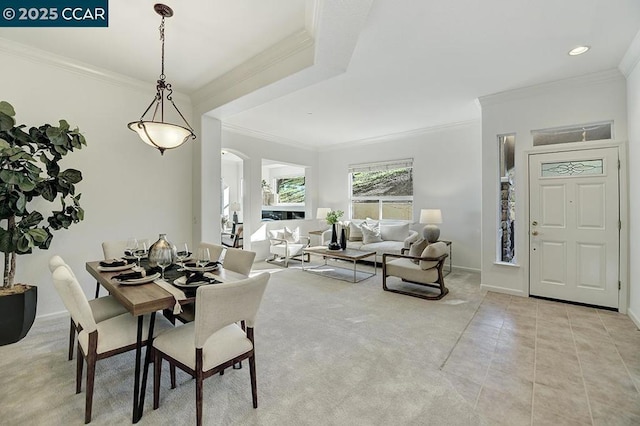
(30, 174)
(333, 217)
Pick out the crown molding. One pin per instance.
(402, 135)
(264, 136)
(215, 90)
(10, 47)
(358, 142)
(631, 57)
(596, 78)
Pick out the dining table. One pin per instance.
(143, 299)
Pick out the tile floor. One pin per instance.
(548, 363)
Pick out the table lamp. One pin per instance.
(322, 212)
(431, 217)
(235, 207)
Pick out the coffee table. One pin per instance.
(349, 255)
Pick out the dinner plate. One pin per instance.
(182, 283)
(143, 280)
(116, 268)
(199, 269)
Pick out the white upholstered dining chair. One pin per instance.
(102, 308)
(213, 341)
(97, 340)
(215, 250)
(238, 260)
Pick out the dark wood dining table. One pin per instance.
(146, 299)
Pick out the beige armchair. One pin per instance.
(423, 270)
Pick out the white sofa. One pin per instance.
(395, 236)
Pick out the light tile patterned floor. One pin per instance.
(526, 361)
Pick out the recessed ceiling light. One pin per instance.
(578, 50)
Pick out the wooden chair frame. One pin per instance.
(199, 375)
(438, 284)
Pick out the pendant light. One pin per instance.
(159, 134)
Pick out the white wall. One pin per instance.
(633, 113)
(446, 175)
(232, 176)
(586, 99)
(254, 150)
(128, 188)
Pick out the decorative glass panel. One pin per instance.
(572, 168)
(507, 199)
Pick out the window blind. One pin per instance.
(383, 165)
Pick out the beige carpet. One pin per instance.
(328, 353)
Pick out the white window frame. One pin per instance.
(369, 167)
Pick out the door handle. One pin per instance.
(534, 233)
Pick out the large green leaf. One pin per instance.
(31, 220)
(10, 177)
(48, 190)
(7, 108)
(39, 235)
(4, 144)
(72, 176)
(21, 203)
(6, 122)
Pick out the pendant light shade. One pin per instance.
(159, 134)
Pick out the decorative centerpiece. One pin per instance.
(31, 177)
(332, 219)
(158, 251)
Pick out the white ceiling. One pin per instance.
(380, 66)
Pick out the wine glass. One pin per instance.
(164, 260)
(182, 253)
(202, 257)
(140, 251)
(130, 246)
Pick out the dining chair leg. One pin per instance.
(91, 374)
(252, 374)
(72, 338)
(199, 380)
(97, 289)
(157, 373)
(92, 355)
(172, 371)
(79, 366)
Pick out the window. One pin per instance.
(507, 198)
(579, 133)
(290, 190)
(382, 190)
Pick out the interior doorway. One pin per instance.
(574, 231)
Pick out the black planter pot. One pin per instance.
(17, 312)
(333, 245)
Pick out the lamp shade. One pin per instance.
(431, 216)
(322, 212)
(235, 206)
(161, 135)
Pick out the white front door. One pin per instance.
(574, 226)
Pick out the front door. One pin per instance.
(574, 226)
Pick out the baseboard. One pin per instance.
(54, 315)
(634, 317)
(463, 268)
(503, 290)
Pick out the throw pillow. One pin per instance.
(417, 248)
(277, 233)
(432, 250)
(370, 234)
(355, 233)
(395, 232)
(292, 236)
